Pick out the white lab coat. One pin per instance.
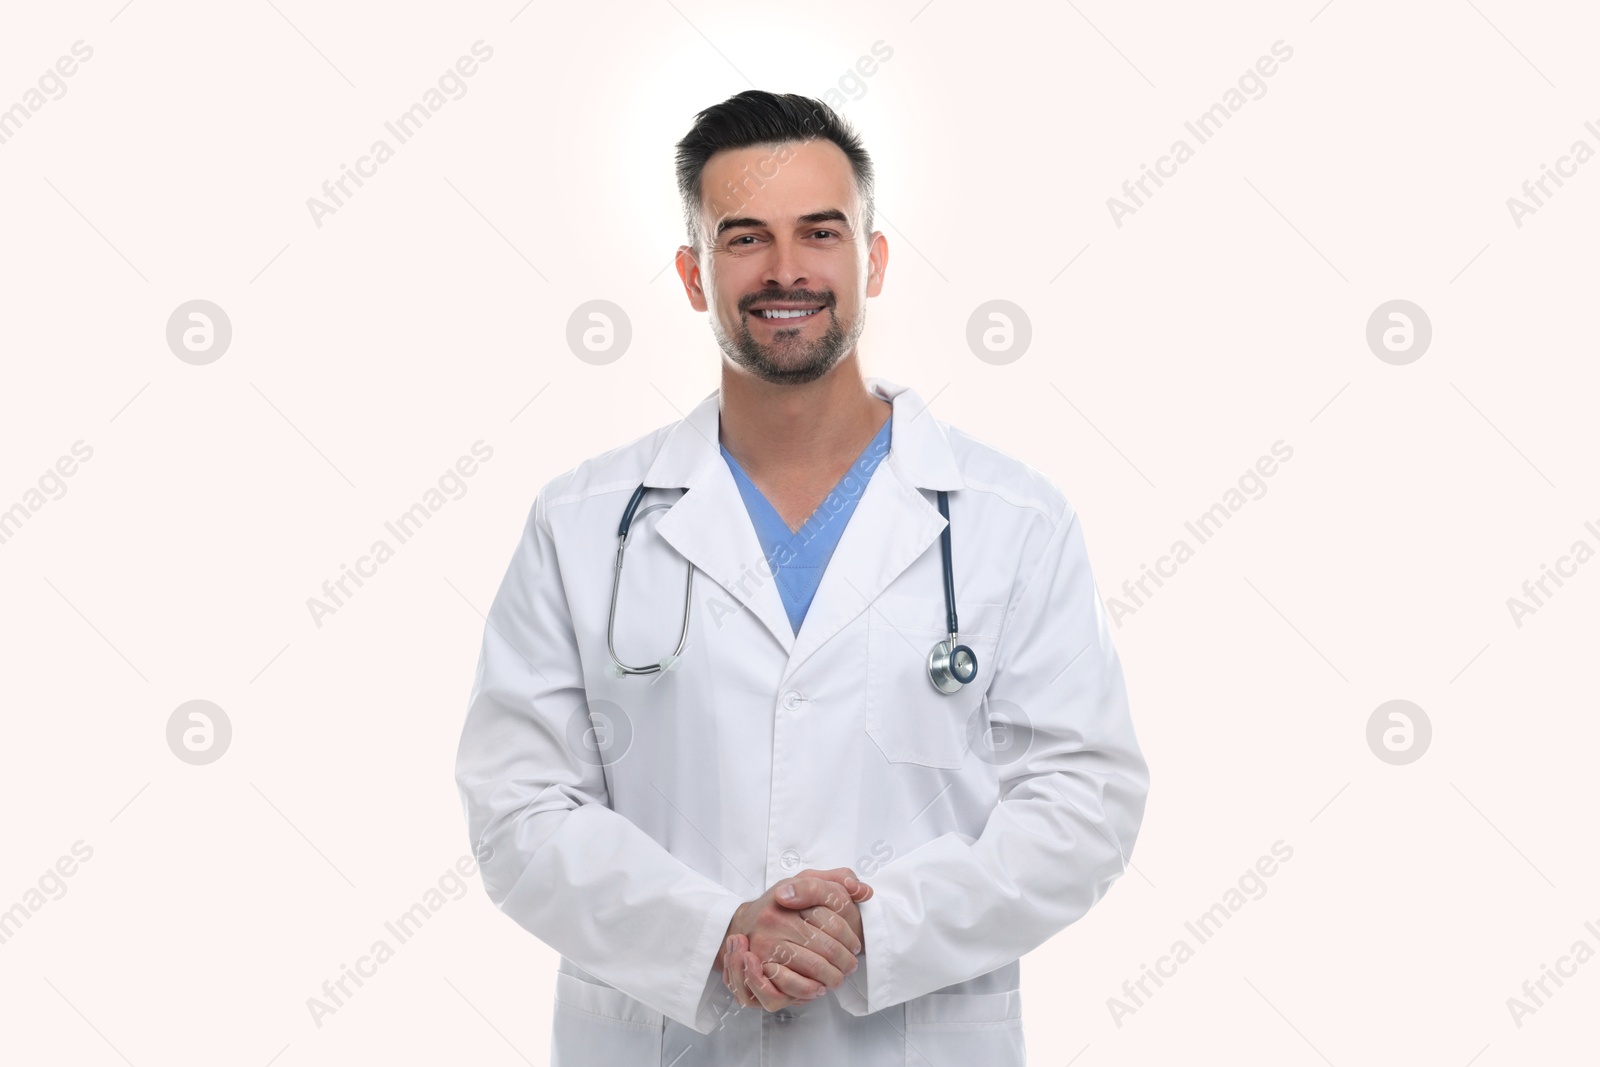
(622, 820)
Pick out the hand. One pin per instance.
(822, 899)
(780, 951)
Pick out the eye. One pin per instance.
(825, 231)
(744, 237)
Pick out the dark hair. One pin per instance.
(755, 117)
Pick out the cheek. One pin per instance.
(848, 308)
(729, 286)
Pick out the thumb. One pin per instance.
(806, 892)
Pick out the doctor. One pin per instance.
(762, 800)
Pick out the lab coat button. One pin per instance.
(791, 700)
(790, 859)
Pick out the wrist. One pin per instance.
(736, 924)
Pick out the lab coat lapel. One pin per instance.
(893, 523)
(710, 526)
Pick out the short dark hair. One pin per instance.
(755, 117)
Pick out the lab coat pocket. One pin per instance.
(909, 719)
(950, 1029)
(598, 1024)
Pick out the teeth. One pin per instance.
(770, 314)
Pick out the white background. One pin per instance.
(1168, 353)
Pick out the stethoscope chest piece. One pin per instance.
(951, 666)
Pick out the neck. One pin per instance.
(779, 429)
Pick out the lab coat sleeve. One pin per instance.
(1069, 808)
(554, 856)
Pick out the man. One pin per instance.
(790, 840)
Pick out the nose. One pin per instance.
(785, 271)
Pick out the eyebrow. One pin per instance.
(830, 215)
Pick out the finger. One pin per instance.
(807, 891)
(846, 877)
(769, 996)
(732, 945)
(843, 875)
(823, 944)
(741, 986)
(834, 925)
(792, 983)
(733, 970)
(808, 964)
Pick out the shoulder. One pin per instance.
(617, 470)
(1006, 481)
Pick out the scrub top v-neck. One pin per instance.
(798, 557)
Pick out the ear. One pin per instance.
(877, 262)
(687, 261)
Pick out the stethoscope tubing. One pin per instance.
(949, 571)
(942, 661)
(624, 531)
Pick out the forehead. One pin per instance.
(778, 182)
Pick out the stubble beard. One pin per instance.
(787, 361)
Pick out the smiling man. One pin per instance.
(891, 751)
(784, 259)
(794, 337)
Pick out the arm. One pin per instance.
(580, 877)
(1069, 808)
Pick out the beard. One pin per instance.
(788, 360)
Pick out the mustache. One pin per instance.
(798, 296)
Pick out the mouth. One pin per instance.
(785, 315)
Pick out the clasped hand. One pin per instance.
(796, 941)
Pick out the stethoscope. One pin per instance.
(951, 664)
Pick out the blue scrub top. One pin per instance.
(797, 558)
